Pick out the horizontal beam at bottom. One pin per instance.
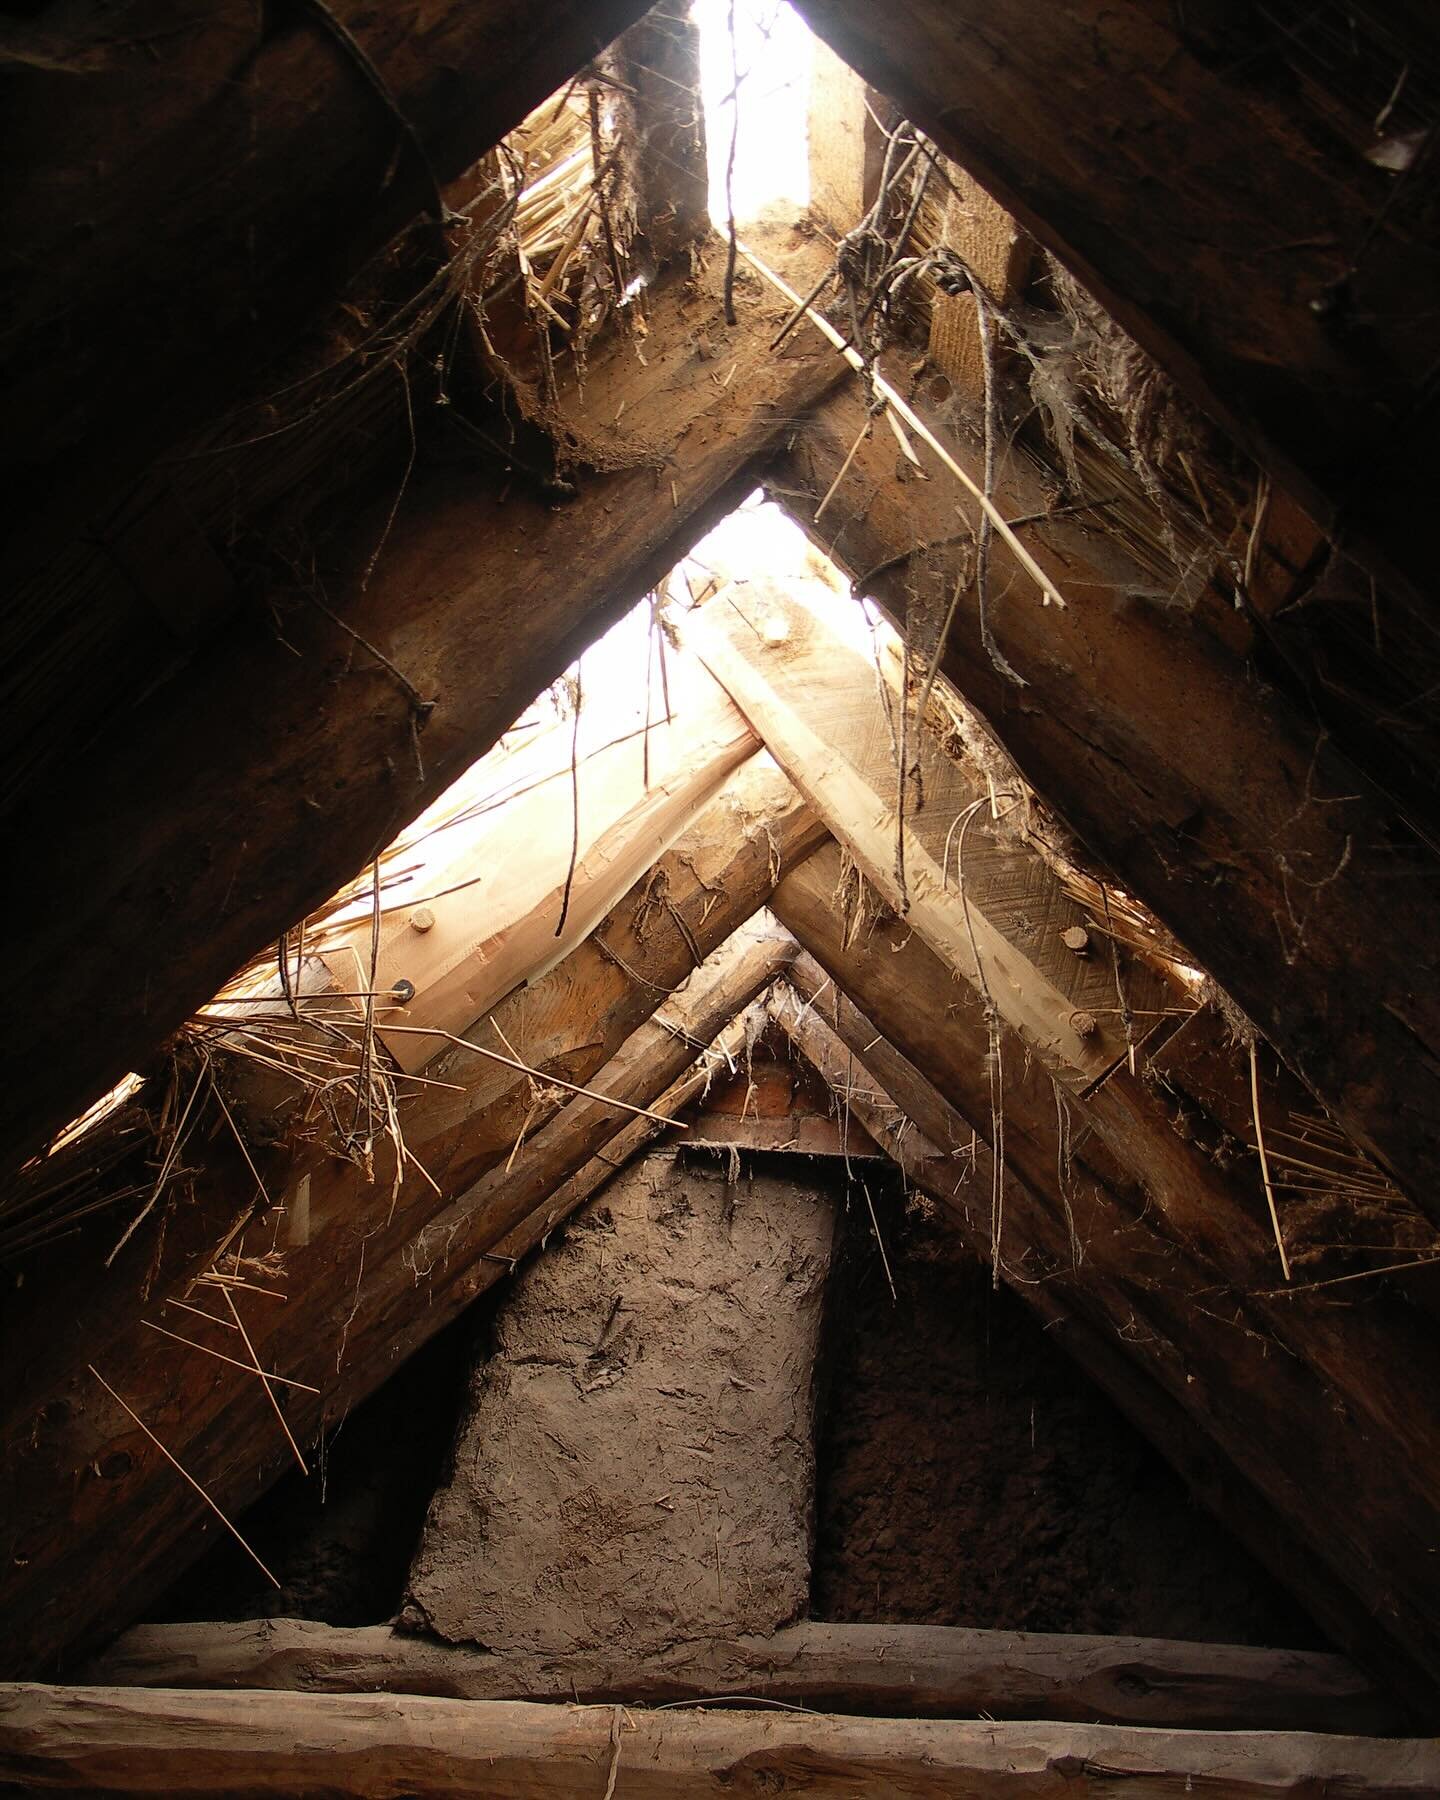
(917, 1671)
(123, 1741)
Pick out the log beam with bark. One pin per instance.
(162, 1741)
(371, 702)
(904, 1671)
(1230, 816)
(96, 1519)
(1215, 179)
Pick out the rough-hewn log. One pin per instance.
(477, 605)
(516, 893)
(988, 904)
(1209, 181)
(997, 919)
(96, 1520)
(281, 152)
(1231, 817)
(557, 1168)
(616, 1151)
(907, 1671)
(163, 1741)
(1267, 1383)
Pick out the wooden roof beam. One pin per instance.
(1287, 1393)
(124, 1741)
(98, 1521)
(1211, 185)
(219, 810)
(1234, 819)
(195, 194)
(983, 901)
(924, 1671)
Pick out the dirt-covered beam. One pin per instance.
(1215, 175)
(1293, 1395)
(1147, 729)
(197, 189)
(221, 808)
(96, 1519)
(124, 1741)
(914, 1671)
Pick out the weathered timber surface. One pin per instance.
(919, 1671)
(478, 604)
(162, 1741)
(985, 902)
(658, 59)
(1221, 205)
(511, 881)
(277, 168)
(945, 1157)
(96, 1521)
(1297, 1395)
(616, 1151)
(1230, 816)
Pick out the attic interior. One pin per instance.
(720, 739)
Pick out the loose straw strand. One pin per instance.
(181, 1470)
(1264, 1160)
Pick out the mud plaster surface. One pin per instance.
(971, 1474)
(637, 1463)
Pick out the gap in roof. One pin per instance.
(772, 52)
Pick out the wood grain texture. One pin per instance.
(946, 1159)
(511, 875)
(912, 1671)
(1214, 191)
(1287, 1391)
(1234, 819)
(986, 903)
(277, 166)
(96, 1520)
(479, 604)
(127, 1741)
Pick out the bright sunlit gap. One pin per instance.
(772, 52)
(627, 683)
